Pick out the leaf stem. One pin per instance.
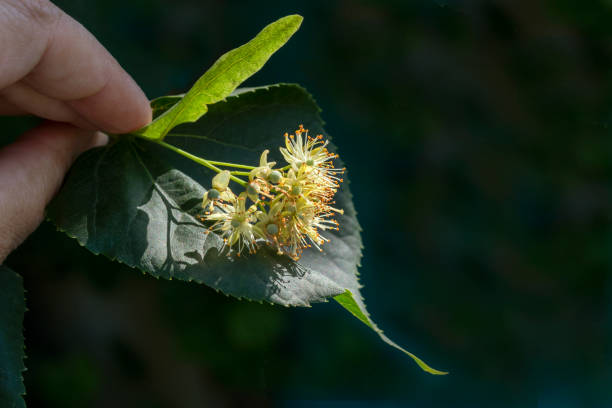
(240, 173)
(198, 160)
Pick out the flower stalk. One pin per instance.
(206, 163)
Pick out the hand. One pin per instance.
(51, 67)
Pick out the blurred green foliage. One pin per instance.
(477, 137)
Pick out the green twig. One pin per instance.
(240, 173)
(238, 166)
(198, 160)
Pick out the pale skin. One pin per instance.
(53, 68)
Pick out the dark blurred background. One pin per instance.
(477, 138)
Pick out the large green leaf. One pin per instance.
(224, 76)
(134, 201)
(12, 308)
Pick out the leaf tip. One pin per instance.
(347, 300)
(294, 19)
(425, 367)
(290, 23)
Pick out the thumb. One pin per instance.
(31, 171)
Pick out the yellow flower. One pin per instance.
(301, 223)
(292, 207)
(220, 191)
(233, 222)
(264, 169)
(305, 150)
(269, 225)
(310, 158)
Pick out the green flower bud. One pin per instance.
(252, 191)
(213, 194)
(272, 229)
(296, 189)
(275, 177)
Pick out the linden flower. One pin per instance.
(219, 191)
(269, 225)
(312, 186)
(292, 206)
(310, 155)
(307, 150)
(302, 221)
(264, 169)
(234, 223)
(293, 183)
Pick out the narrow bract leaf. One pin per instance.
(12, 308)
(357, 309)
(224, 76)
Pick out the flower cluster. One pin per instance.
(288, 206)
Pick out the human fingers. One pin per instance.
(31, 172)
(25, 98)
(56, 57)
(9, 109)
